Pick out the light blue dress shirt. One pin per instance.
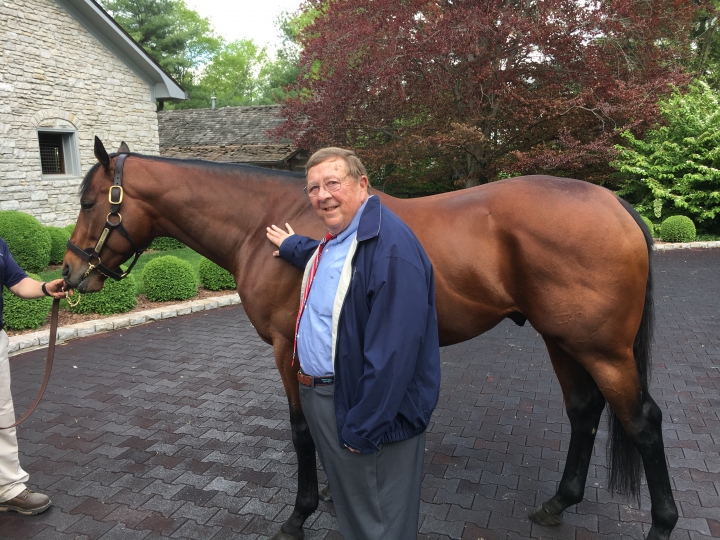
(314, 344)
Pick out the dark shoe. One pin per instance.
(28, 503)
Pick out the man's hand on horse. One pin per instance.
(277, 236)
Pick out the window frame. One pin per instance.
(70, 152)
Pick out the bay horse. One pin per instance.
(568, 256)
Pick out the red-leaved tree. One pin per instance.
(458, 92)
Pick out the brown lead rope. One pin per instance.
(48, 362)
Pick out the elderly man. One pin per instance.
(14, 495)
(367, 344)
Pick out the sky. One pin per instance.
(243, 19)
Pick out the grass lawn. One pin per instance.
(185, 254)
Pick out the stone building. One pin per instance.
(69, 72)
(230, 134)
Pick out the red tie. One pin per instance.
(311, 277)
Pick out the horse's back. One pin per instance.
(538, 245)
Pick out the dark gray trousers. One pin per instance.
(376, 496)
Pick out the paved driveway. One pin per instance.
(179, 429)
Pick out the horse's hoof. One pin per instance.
(325, 494)
(543, 517)
(280, 535)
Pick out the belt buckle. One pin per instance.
(307, 380)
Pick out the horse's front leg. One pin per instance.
(306, 501)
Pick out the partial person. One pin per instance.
(368, 348)
(15, 496)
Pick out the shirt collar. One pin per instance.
(351, 229)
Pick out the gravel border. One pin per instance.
(36, 340)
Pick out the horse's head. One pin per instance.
(110, 227)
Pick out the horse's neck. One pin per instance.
(218, 212)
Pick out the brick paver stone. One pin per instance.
(179, 429)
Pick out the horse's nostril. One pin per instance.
(66, 270)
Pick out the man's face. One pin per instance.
(336, 209)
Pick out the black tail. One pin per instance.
(623, 458)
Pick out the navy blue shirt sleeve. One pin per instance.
(298, 249)
(10, 273)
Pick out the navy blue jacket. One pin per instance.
(387, 354)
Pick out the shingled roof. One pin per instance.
(231, 134)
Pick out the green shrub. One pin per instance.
(169, 278)
(115, 297)
(214, 277)
(649, 224)
(165, 243)
(20, 314)
(70, 228)
(28, 240)
(58, 243)
(677, 229)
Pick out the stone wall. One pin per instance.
(55, 74)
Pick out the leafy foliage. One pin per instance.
(475, 90)
(706, 35)
(649, 225)
(114, 297)
(20, 313)
(677, 229)
(169, 278)
(214, 277)
(58, 243)
(676, 168)
(165, 243)
(28, 240)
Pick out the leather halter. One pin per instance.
(115, 196)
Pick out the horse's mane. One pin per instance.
(209, 165)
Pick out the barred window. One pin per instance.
(59, 152)
(51, 153)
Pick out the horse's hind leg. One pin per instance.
(584, 404)
(641, 419)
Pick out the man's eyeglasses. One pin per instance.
(331, 185)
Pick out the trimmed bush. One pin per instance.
(169, 278)
(70, 228)
(677, 229)
(28, 240)
(650, 225)
(20, 314)
(165, 243)
(58, 243)
(214, 277)
(115, 297)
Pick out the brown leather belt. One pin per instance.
(307, 380)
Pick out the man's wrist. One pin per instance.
(44, 289)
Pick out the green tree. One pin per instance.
(676, 168)
(706, 37)
(177, 37)
(232, 74)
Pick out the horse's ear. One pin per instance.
(101, 154)
(124, 149)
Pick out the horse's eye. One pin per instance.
(86, 205)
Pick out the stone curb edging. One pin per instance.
(36, 340)
(687, 245)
